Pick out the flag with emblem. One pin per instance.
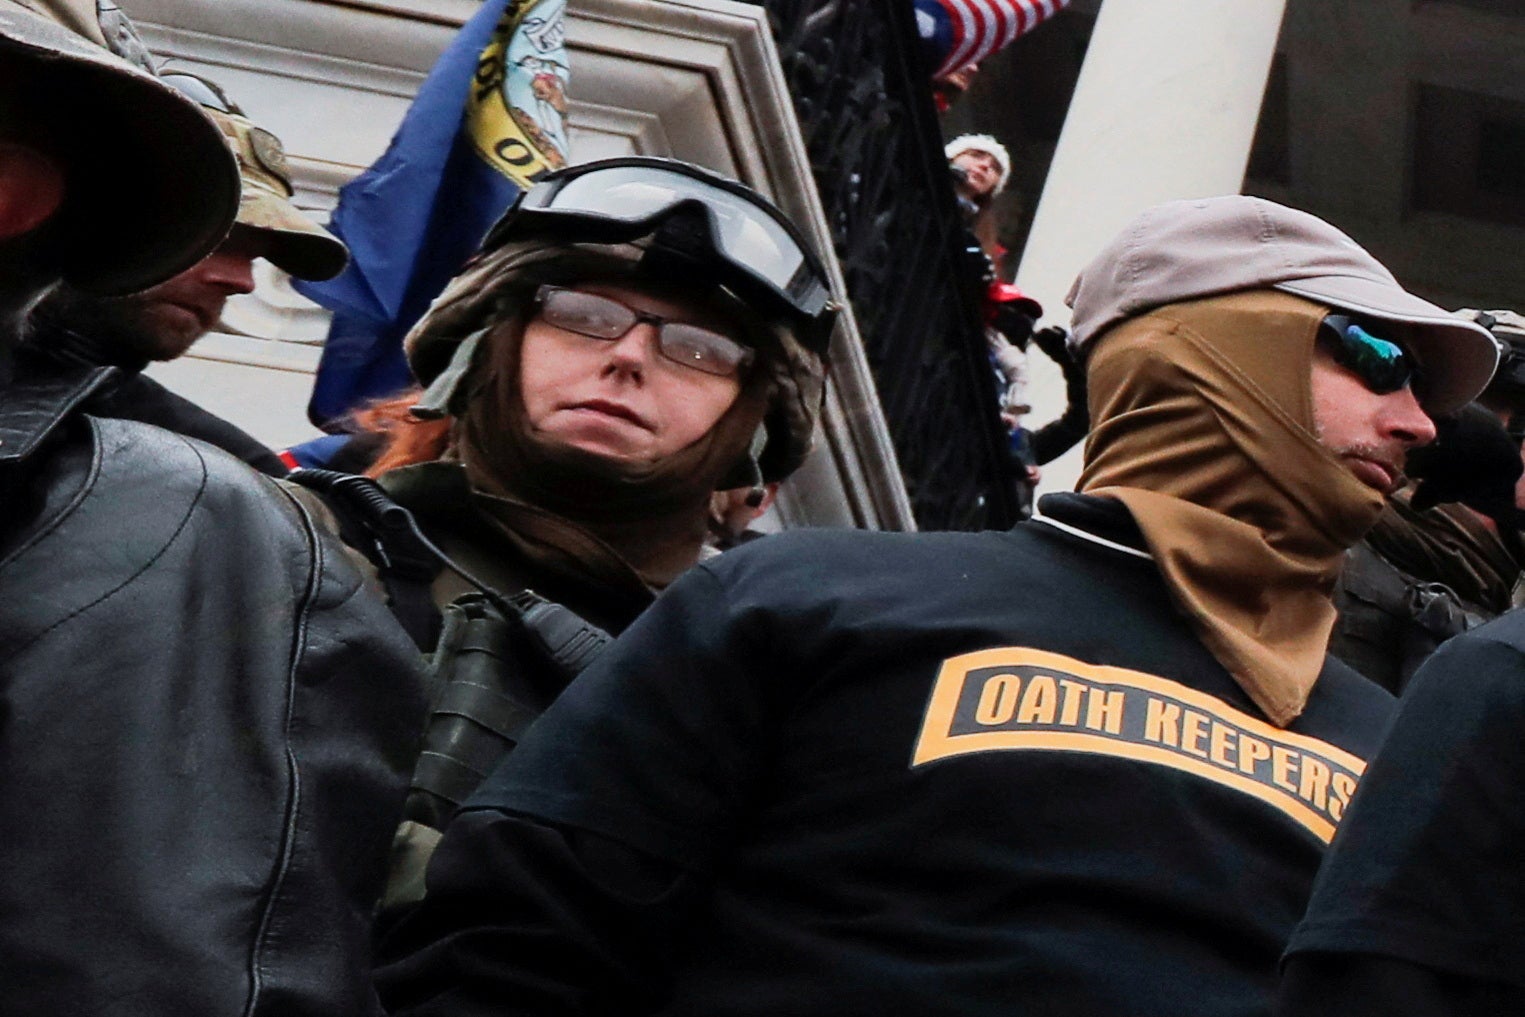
(488, 120)
(963, 32)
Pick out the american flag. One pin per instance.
(965, 32)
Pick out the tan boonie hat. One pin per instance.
(299, 245)
(152, 188)
(1185, 250)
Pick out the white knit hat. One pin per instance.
(982, 143)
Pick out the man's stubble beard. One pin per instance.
(119, 326)
(133, 326)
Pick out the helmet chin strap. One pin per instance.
(435, 402)
(749, 473)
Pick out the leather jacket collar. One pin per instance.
(65, 345)
(38, 399)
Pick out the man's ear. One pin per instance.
(31, 189)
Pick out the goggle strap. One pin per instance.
(753, 465)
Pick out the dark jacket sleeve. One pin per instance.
(564, 883)
(527, 918)
(1366, 985)
(1422, 889)
(1061, 434)
(1058, 436)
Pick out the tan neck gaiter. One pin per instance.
(1204, 429)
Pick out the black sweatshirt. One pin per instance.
(844, 773)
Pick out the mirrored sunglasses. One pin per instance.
(1382, 365)
(601, 317)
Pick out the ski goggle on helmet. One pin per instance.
(709, 226)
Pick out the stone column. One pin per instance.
(1166, 107)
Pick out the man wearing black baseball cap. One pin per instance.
(206, 722)
(1088, 766)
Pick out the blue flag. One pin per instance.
(487, 122)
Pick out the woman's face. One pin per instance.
(621, 398)
(982, 172)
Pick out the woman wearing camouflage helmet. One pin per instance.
(634, 335)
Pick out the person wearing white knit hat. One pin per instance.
(981, 166)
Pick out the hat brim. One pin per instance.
(298, 246)
(152, 186)
(1458, 356)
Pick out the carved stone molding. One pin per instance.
(695, 79)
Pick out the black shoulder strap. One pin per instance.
(385, 532)
(1433, 606)
(408, 561)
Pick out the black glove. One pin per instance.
(1473, 461)
(1015, 325)
(1052, 341)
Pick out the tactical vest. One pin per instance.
(483, 648)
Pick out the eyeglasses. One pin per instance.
(600, 317)
(1382, 365)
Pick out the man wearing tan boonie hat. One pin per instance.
(199, 771)
(292, 242)
(163, 322)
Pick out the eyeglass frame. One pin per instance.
(659, 322)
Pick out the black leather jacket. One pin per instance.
(206, 728)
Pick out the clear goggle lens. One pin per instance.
(748, 234)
